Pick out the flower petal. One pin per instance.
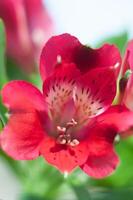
(40, 23)
(22, 95)
(117, 116)
(22, 135)
(24, 131)
(64, 157)
(19, 45)
(94, 94)
(130, 57)
(128, 94)
(87, 58)
(58, 91)
(69, 49)
(62, 47)
(101, 166)
(102, 159)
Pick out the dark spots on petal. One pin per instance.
(72, 153)
(54, 158)
(57, 84)
(73, 82)
(55, 98)
(76, 97)
(99, 108)
(87, 90)
(80, 100)
(58, 148)
(53, 87)
(69, 92)
(63, 89)
(102, 100)
(69, 81)
(82, 90)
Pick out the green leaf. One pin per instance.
(119, 40)
(1, 124)
(3, 77)
(81, 193)
(30, 197)
(115, 194)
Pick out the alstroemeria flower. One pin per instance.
(72, 123)
(127, 93)
(28, 26)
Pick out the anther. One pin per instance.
(74, 142)
(61, 139)
(61, 129)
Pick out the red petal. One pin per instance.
(130, 50)
(128, 94)
(95, 93)
(128, 63)
(40, 23)
(65, 158)
(117, 116)
(22, 95)
(25, 129)
(71, 50)
(87, 58)
(102, 159)
(101, 166)
(19, 44)
(58, 91)
(22, 135)
(63, 45)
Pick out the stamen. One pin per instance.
(61, 129)
(61, 139)
(64, 136)
(74, 143)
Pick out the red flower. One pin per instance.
(28, 26)
(127, 93)
(72, 123)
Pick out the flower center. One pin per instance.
(64, 134)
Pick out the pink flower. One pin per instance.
(28, 26)
(72, 123)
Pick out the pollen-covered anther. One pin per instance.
(74, 143)
(61, 140)
(61, 129)
(66, 139)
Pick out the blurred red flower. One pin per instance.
(28, 26)
(127, 81)
(72, 123)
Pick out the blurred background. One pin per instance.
(93, 22)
